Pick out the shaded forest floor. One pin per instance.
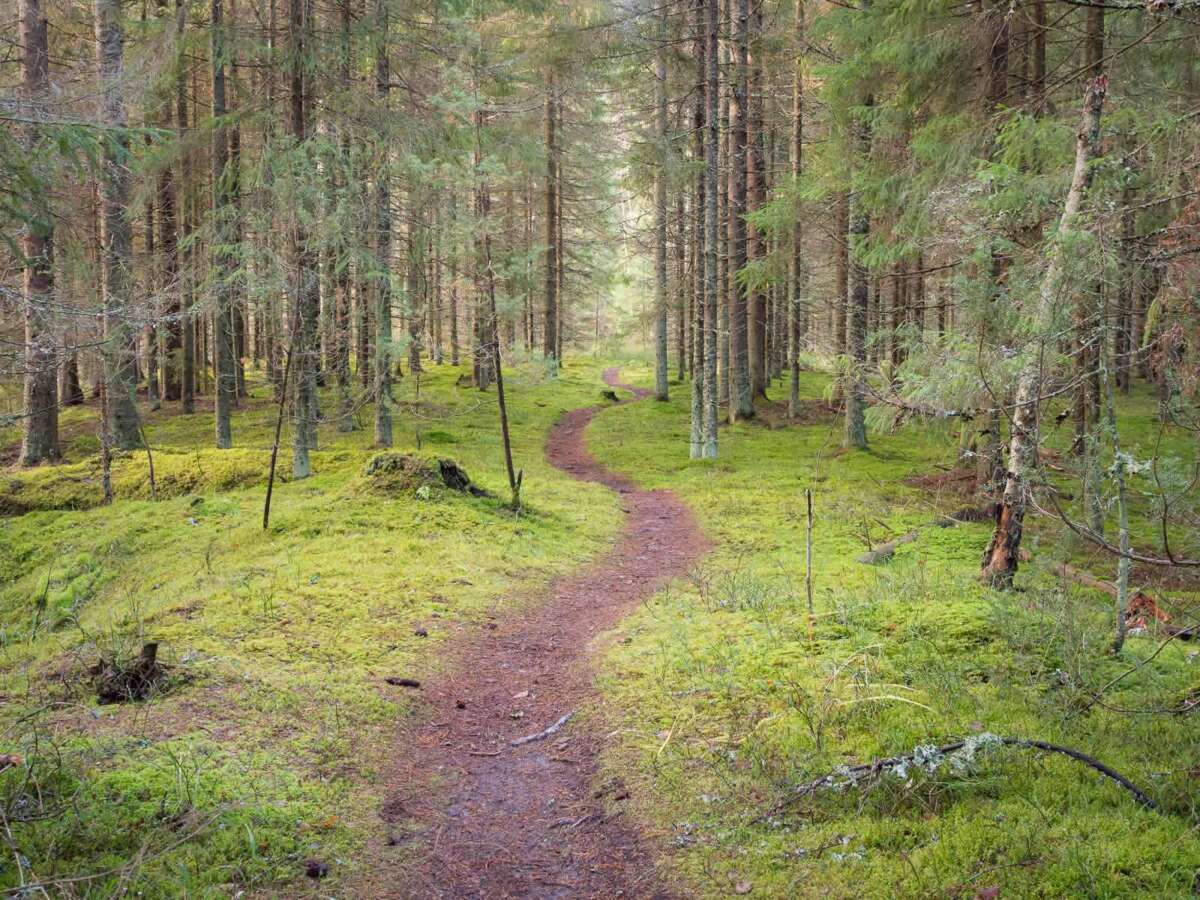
(263, 755)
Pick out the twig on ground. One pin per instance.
(869, 772)
(544, 733)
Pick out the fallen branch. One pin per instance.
(929, 758)
(1141, 608)
(544, 733)
(884, 552)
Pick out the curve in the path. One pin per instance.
(528, 821)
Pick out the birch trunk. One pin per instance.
(1001, 557)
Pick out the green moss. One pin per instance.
(281, 639)
(723, 693)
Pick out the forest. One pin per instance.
(599, 448)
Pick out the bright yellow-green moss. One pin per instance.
(723, 693)
(271, 744)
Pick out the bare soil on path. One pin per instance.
(529, 820)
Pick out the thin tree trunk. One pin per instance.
(842, 270)
(223, 237)
(725, 287)
(237, 284)
(1001, 558)
(383, 245)
(796, 316)
(168, 235)
(454, 341)
(757, 343)
(855, 436)
(711, 99)
(186, 322)
(680, 289)
(306, 291)
(699, 369)
(341, 277)
(660, 217)
(740, 384)
(550, 310)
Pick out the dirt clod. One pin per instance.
(314, 868)
(402, 682)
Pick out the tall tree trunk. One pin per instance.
(306, 297)
(739, 351)
(841, 219)
(237, 284)
(660, 215)
(186, 321)
(39, 436)
(550, 311)
(698, 367)
(383, 245)
(756, 301)
(415, 289)
(725, 287)
(153, 389)
(168, 235)
(1000, 559)
(223, 237)
(341, 277)
(1128, 287)
(796, 317)
(115, 234)
(680, 288)
(1038, 76)
(454, 341)
(560, 254)
(711, 99)
(855, 436)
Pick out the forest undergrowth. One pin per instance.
(727, 696)
(252, 762)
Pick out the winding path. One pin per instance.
(528, 821)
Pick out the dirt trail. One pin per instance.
(528, 821)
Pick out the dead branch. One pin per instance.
(544, 733)
(869, 772)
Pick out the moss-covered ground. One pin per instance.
(263, 749)
(267, 746)
(725, 694)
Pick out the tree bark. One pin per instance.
(383, 245)
(795, 311)
(306, 291)
(712, 88)
(116, 239)
(550, 311)
(842, 269)
(740, 385)
(757, 341)
(660, 216)
(699, 369)
(223, 237)
(855, 436)
(39, 435)
(1001, 558)
(185, 322)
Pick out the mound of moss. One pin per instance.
(80, 485)
(395, 474)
